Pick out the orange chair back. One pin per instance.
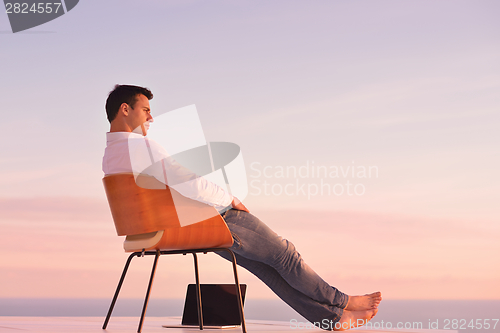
(150, 207)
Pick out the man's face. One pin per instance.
(139, 117)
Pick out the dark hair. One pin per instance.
(124, 94)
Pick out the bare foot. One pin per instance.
(365, 302)
(351, 319)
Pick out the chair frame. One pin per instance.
(157, 254)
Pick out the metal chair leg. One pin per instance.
(146, 300)
(198, 288)
(238, 291)
(115, 297)
(198, 291)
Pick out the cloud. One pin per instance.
(54, 209)
(405, 256)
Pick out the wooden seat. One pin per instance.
(157, 220)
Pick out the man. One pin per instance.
(273, 259)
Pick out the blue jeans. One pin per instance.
(276, 262)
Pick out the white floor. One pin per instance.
(119, 325)
(151, 324)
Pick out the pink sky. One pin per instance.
(67, 247)
(410, 87)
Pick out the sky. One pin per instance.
(369, 131)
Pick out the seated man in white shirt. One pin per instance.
(273, 259)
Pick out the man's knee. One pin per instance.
(289, 255)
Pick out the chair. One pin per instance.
(143, 210)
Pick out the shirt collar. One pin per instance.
(117, 136)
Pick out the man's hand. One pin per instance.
(239, 205)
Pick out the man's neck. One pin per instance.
(127, 129)
(119, 127)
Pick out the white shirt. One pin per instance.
(133, 153)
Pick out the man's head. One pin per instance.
(127, 108)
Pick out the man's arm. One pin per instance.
(168, 171)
